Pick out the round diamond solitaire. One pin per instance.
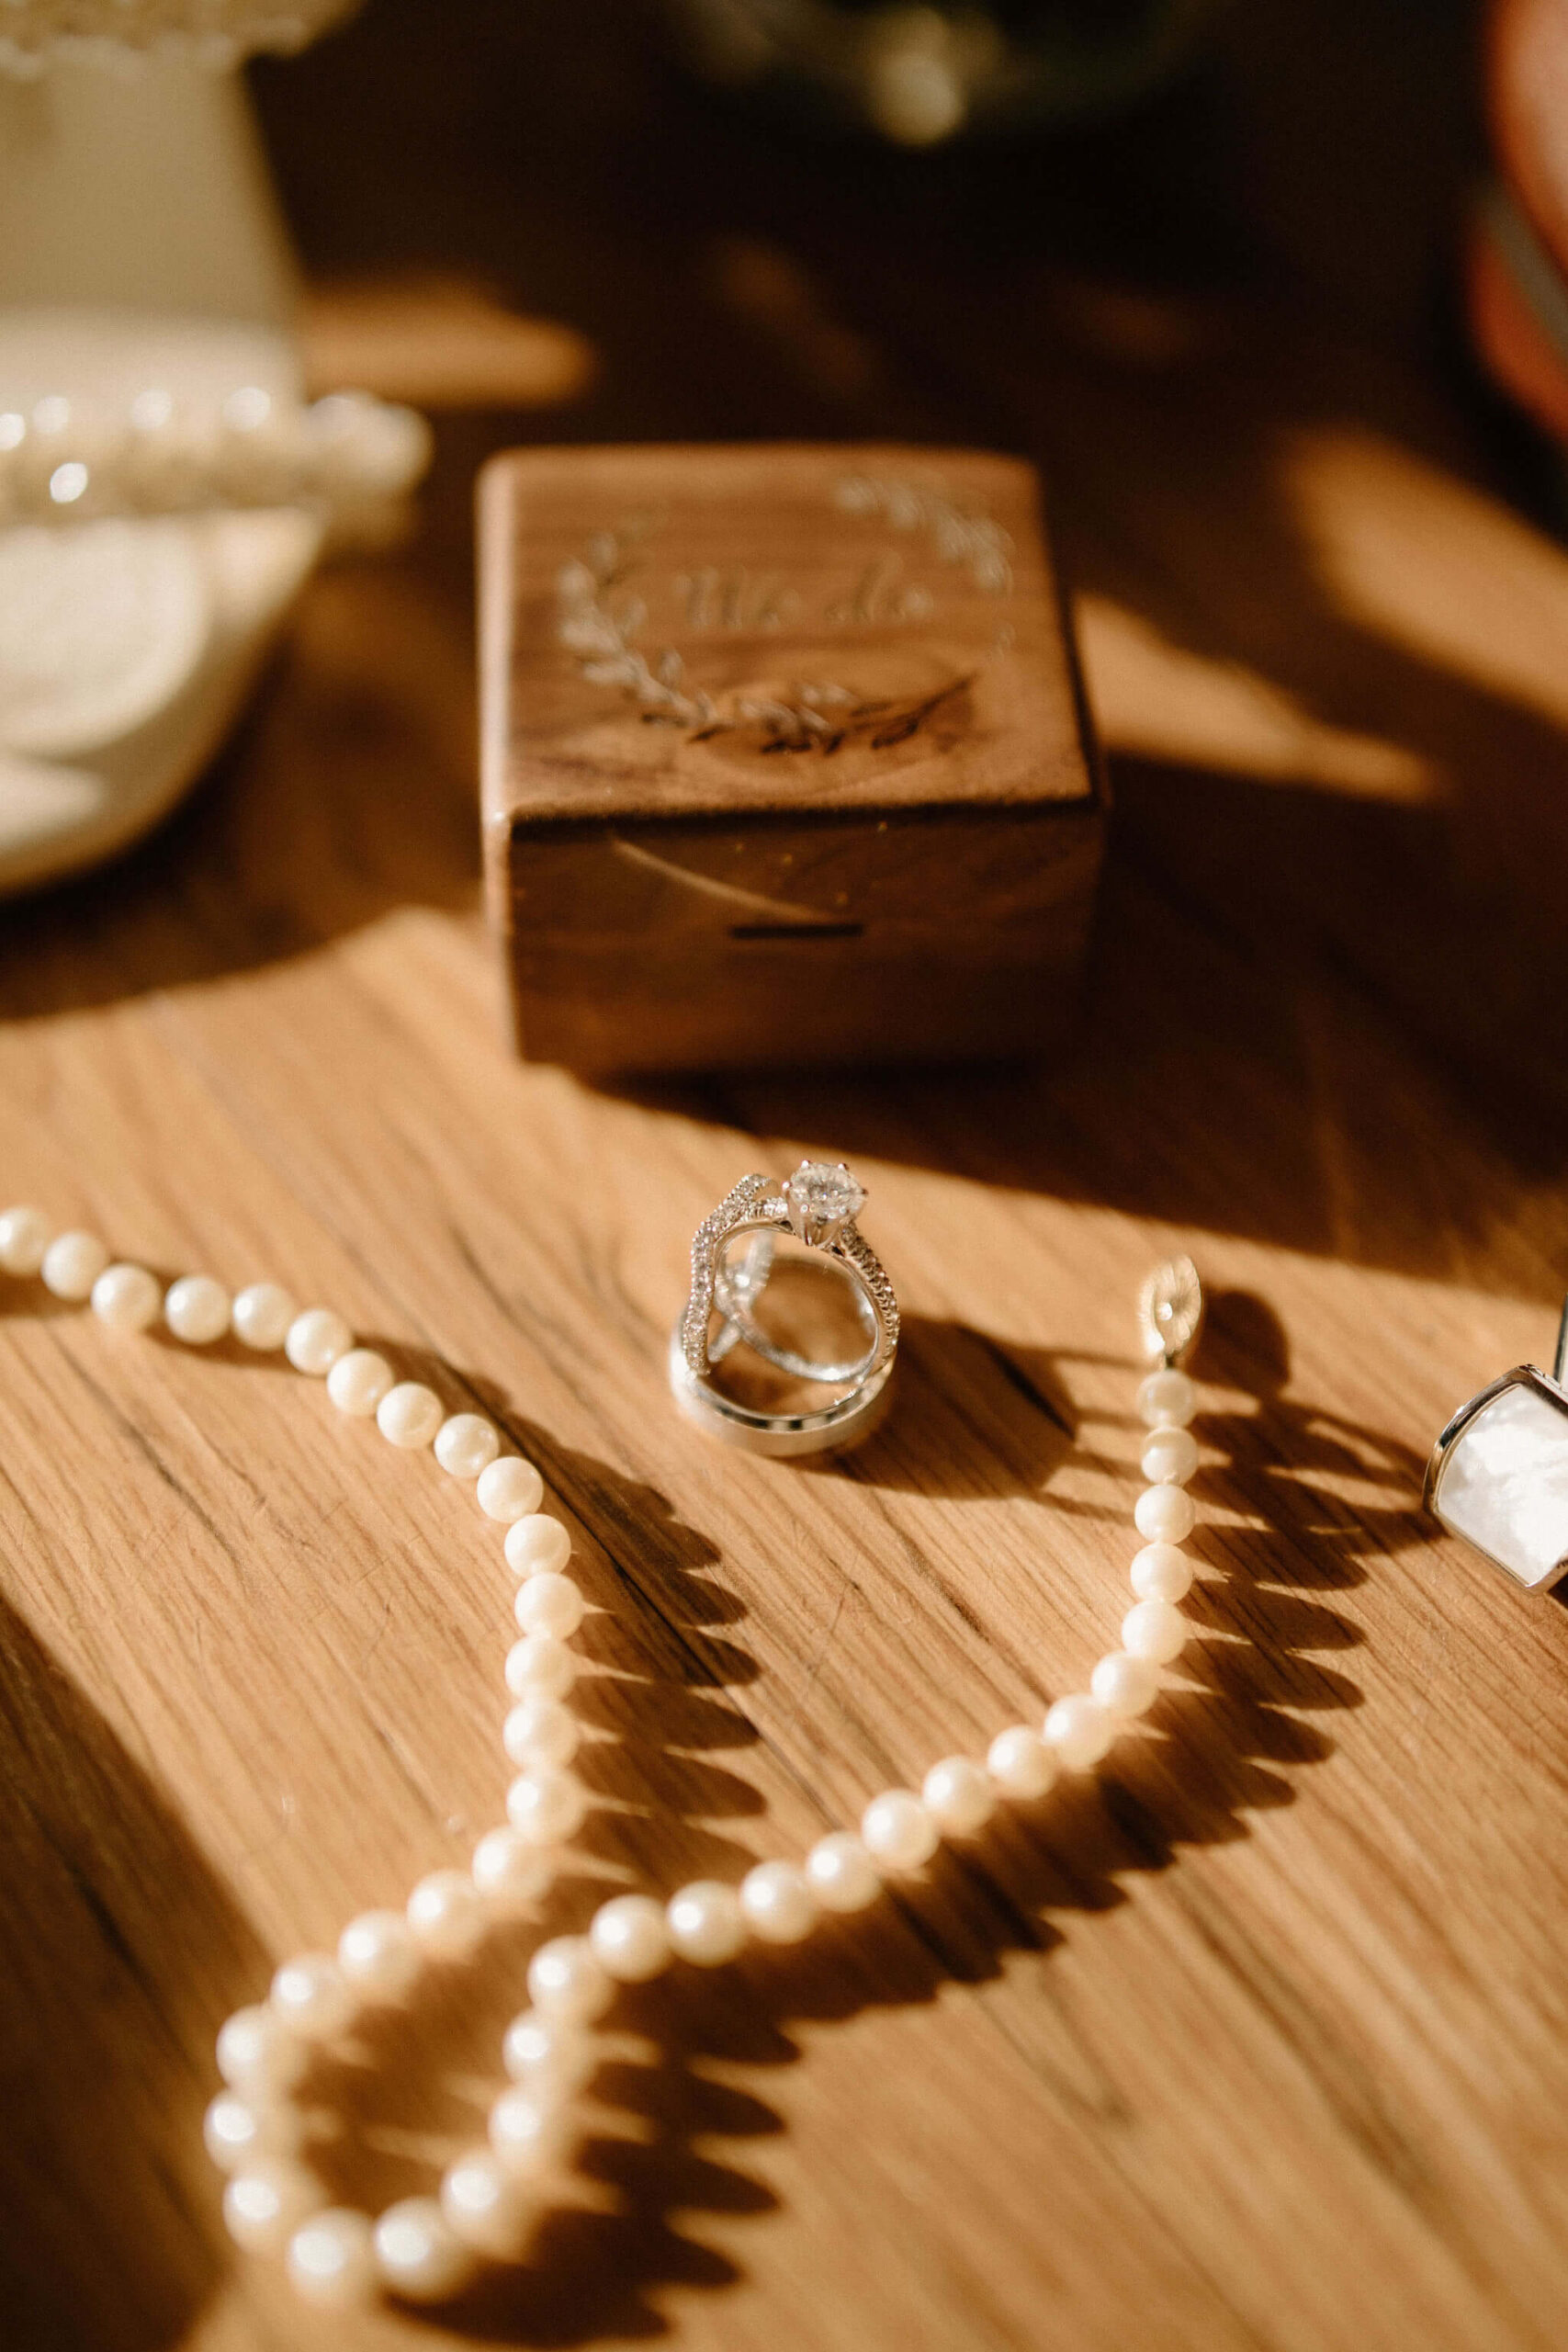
(822, 1197)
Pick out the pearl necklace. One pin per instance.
(216, 33)
(348, 453)
(426, 2248)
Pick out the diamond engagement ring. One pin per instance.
(819, 1205)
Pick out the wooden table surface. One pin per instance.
(1261, 2039)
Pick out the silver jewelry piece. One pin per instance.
(736, 1289)
(1170, 1311)
(1498, 1475)
(818, 1205)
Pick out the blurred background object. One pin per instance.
(920, 75)
(1517, 258)
(163, 491)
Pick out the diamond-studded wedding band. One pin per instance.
(818, 1205)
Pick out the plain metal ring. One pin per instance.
(828, 1429)
(733, 1294)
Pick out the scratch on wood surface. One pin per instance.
(759, 904)
(1012, 1372)
(1306, 2029)
(846, 1587)
(408, 1768)
(143, 1445)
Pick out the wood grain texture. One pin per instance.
(1261, 2042)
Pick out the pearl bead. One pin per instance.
(510, 1488)
(379, 1956)
(706, 1922)
(1170, 1457)
(231, 2129)
(359, 1381)
(537, 1544)
(331, 2259)
(310, 1995)
(540, 1731)
(315, 1340)
(779, 1904)
(958, 1796)
(840, 1873)
(897, 1830)
(1020, 1764)
(197, 1310)
(1080, 1730)
(1164, 1514)
(539, 1664)
(551, 2056)
(1155, 1630)
(260, 1316)
(126, 1298)
(236, 2130)
(259, 2053)
(547, 1806)
(408, 1415)
(549, 1604)
(630, 1938)
(1166, 1400)
(446, 1912)
(73, 1263)
(487, 2205)
(417, 2253)
(25, 1235)
(508, 1869)
(1161, 1573)
(264, 2205)
(567, 1979)
(465, 1444)
(1127, 1685)
(525, 2131)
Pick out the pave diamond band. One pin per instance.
(819, 1205)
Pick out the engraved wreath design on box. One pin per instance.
(604, 622)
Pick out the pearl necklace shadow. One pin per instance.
(495, 2197)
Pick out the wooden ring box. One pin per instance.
(785, 757)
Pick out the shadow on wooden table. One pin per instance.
(120, 1952)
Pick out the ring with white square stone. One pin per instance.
(818, 1205)
(1498, 1475)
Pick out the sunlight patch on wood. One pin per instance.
(440, 342)
(1435, 565)
(1159, 700)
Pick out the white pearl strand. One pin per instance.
(424, 2249)
(64, 459)
(212, 33)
